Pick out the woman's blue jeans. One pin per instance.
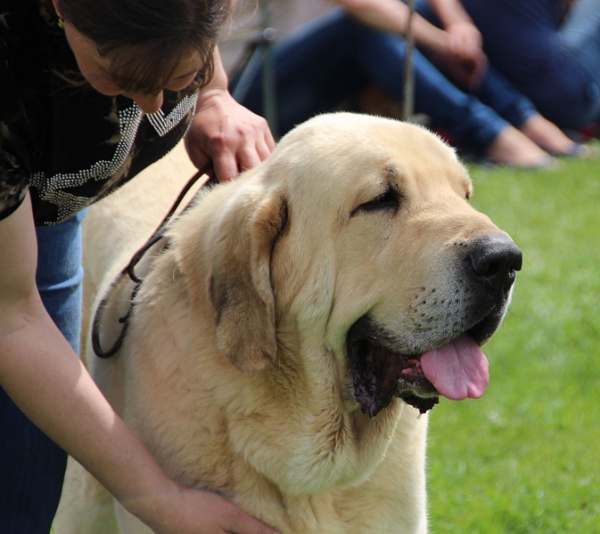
(32, 466)
(333, 57)
(557, 68)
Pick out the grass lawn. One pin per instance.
(525, 458)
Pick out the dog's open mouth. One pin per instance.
(457, 370)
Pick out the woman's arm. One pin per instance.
(392, 16)
(456, 47)
(42, 374)
(230, 135)
(450, 12)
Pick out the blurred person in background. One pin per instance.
(549, 50)
(329, 59)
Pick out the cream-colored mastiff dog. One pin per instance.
(282, 346)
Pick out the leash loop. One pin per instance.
(129, 270)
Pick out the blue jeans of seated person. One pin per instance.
(556, 67)
(330, 59)
(32, 466)
(580, 34)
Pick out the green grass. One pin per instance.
(525, 458)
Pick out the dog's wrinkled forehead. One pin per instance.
(352, 145)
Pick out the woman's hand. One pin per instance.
(230, 135)
(466, 52)
(461, 54)
(196, 512)
(224, 131)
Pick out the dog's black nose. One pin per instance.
(495, 260)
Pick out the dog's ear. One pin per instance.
(240, 286)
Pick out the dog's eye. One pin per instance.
(390, 200)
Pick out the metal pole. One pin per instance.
(269, 92)
(409, 77)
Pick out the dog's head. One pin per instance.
(356, 239)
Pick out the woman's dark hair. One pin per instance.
(145, 39)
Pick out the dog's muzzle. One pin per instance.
(449, 362)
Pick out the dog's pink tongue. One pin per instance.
(458, 370)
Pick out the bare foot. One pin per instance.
(549, 136)
(513, 148)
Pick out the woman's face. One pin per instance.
(95, 69)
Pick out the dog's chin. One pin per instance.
(381, 373)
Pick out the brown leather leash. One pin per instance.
(129, 270)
